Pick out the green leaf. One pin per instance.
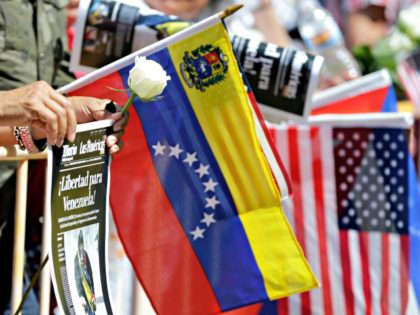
(118, 90)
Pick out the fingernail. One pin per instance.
(72, 137)
(116, 115)
(52, 141)
(60, 142)
(110, 107)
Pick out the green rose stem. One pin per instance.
(129, 102)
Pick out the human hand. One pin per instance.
(40, 106)
(88, 109)
(72, 8)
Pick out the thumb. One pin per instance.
(112, 111)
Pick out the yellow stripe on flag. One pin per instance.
(222, 108)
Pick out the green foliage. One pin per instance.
(202, 50)
(387, 52)
(214, 79)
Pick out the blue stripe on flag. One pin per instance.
(414, 217)
(271, 307)
(390, 103)
(222, 248)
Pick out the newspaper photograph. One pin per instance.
(107, 30)
(78, 194)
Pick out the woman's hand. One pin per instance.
(88, 109)
(40, 106)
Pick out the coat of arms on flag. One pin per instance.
(204, 66)
(193, 193)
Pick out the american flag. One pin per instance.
(350, 214)
(409, 73)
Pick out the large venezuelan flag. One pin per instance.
(193, 195)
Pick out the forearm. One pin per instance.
(267, 23)
(7, 137)
(371, 18)
(9, 112)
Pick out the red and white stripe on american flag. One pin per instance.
(360, 272)
(410, 79)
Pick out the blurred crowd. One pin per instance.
(372, 31)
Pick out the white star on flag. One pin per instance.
(208, 219)
(190, 159)
(209, 185)
(197, 233)
(158, 148)
(202, 170)
(175, 151)
(212, 202)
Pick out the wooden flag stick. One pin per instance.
(19, 234)
(12, 153)
(45, 281)
(230, 10)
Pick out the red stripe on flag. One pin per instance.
(364, 260)
(101, 89)
(385, 275)
(298, 204)
(411, 82)
(346, 269)
(270, 142)
(282, 304)
(283, 307)
(404, 270)
(362, 103)
(253, 309)
(320, 218)
(165, 261)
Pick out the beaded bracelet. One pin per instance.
(19, 141)
(24, 139)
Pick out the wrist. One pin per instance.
(264, 6)
(39, 137)
(7, 137)
(38, 134)
(25, 141)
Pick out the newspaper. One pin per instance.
(107, 30)
(78, 194)
(282, 79)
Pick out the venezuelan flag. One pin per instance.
(193, 196)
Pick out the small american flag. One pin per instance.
(409, 73)
(350, 214)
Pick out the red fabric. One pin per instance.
(370, 102)
(175, 261)
(271, 143)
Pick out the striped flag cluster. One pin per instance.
(350, 214)
(355, 206)
(409, 73)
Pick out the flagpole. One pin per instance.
(230, 10)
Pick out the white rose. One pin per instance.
(147, 78)
(409, 20)
(398, 42)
